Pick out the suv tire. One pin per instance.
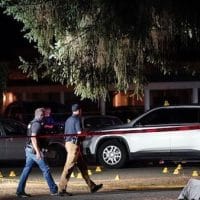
(112, 154)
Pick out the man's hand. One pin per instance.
(38, 156)
(48, 126)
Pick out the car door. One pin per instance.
(15, 141)
(150, 135)
(185, 141)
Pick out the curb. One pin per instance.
(157, 187)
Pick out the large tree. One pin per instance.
(94, 44)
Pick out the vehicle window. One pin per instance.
(13, 128)
(12, 110)
(99, 122)
(107, 122)
(116, 121)
(185, 115)
(92, 123)
(171, 116)
(155, 117)
(24, 111)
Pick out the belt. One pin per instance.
(31, 149)
(73, 140)
(29, 146)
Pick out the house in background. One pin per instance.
(21, 88)
(155, 94)
(176, 90)
(175, 93)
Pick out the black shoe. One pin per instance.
(96, 188)
(64, 193)
(23, 195)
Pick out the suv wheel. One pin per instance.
(112, 154)
(56, 155)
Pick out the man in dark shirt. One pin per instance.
(34, 155)
(48, 119)
(74, 155)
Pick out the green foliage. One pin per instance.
(94, 44)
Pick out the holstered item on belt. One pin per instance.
(75, 140)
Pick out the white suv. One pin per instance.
(163, 133)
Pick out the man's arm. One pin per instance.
(34, 141)
(35, 146)
(78, 127)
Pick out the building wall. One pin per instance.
(156, 94)
(174, 92)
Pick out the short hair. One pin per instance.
(75, 107)
(38, 112)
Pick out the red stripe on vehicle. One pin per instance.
(114, 132)
(148, 130)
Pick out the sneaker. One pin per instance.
(54, 194)
(64, 193)
(23, 195)
(96, 188)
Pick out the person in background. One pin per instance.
(74, 154)
(48, 119)
(34, 155)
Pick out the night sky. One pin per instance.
(12, 43)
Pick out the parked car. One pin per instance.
(88, 123)
(13, 138)
(163, 133)
(24, 110)
(93, 122)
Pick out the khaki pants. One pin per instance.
(74, 157)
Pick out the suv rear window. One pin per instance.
(171, 116)
(99, 122)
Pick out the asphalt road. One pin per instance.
(117, 195)
(144, 182)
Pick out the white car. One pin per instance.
(163, 133)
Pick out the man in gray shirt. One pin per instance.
(74, 154)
